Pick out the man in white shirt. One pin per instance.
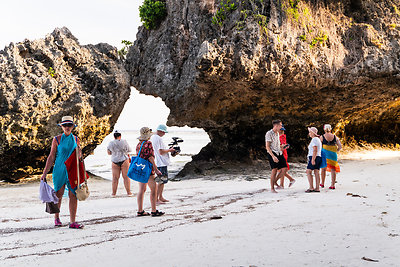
(161, 152)
(275, 155)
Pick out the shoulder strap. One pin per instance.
(58, 142)
(141, 148)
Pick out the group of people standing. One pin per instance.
(153, 150)
(322, 154)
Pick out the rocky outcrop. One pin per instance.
(305, 62)
(43, 80)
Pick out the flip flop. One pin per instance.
(142, 213)
(309, 190)
(321, 185)
(331, 187)
(157, 213)
(57, 223)
(75, 225)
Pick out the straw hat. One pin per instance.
(145, 133)
(313, 130)
(67, 120)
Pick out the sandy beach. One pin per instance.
(216, 221)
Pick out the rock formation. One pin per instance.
(305, 62)
(43, 80)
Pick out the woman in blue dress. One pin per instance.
(61, 148)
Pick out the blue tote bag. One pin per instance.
(140, 169)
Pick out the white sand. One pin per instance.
(257, 228)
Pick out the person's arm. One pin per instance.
(269, 150)
(339, 145)
(50, 159)
(79, 148)
(314, 155)
(155, 169)
(165, 151)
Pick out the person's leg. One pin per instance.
(333, 177)
(160, 189)
(317, 178)
(127, 181)
(153, 193)
(287, 175)
(273, 178)
(281, 175)
(116, 170)
(281, 179)
(310, 179)
(73, 206)
(140, 195)
(323, 176)
(59, 194)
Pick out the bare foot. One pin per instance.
(164, 200)
(129, 194)
(113, 195)
(160, 203)
(273, 191)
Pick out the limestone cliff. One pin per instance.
(305, 62)
(43, 80)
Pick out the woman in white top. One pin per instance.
(314, 159)
(119, 149)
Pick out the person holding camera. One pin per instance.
(161, 152)
(118, 149)
(282, 138)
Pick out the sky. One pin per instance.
(92, 22)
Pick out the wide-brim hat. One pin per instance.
(67, 120)
(145, 133)
(313, 130)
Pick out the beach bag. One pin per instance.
(47, 193)
(52, 208)
(140, 169)
(77, 172)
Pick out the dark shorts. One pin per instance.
(317, 166)
(119, 163)
(163, 179)
(277, 165)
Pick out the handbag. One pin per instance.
(52, 208)
(140, 169)
(82, 190)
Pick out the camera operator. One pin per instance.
(161, 152)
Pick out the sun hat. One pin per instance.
(162, 128)
(327, 127)
(313, 130)
(67, 120)
(145, 133)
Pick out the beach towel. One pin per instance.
(330, 152)
(47, 193)
(64, 150)
(71, 166)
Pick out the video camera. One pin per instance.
(175, 146)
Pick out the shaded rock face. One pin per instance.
(316, 62)
(43, 80)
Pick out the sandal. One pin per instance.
(331, 187)
(321, 185)
(309, 190)
(76, 225)
(157, 213)
(57, 222)
(142, 213)
(316, 191)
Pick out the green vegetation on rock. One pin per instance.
(124, 50)
(152, 13)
